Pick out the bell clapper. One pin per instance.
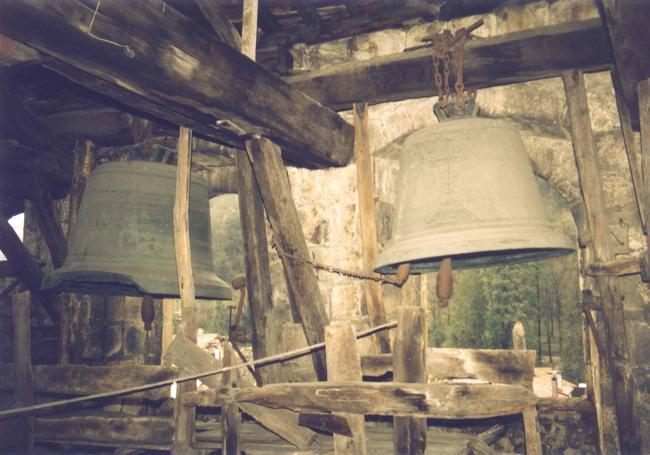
(148, 313)
(402, 274)
(444, 283)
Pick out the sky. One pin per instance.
(17, 223)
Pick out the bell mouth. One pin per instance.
(479, 260)
(119, 284)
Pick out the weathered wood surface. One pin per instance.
(644, 116)
(182, 251)
(24, 266)
(517, 57)
(331, 423)
(191, 359)
(23, 390)
(616, 267)
(86, 380)
(532, 435)
(215, 16)
(409, 366)
(265, 336)
(203, 79)
(493, 365)
(344, 364)
(441, 401)
(230, 429)
(616, 377)
(627, 24)
(633, 151)
(275, 189)
(369, 242)
(48, 223)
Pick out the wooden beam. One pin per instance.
(627, 25)
(633, 151)
(283, 216)
(192, 359)
(24, 265)
(617, 267)
(86, 380)
(532, 435)
(184, 415)
(335, 424)
(644, 116)
(344, 364)
(23, 390)
(215, 16)
(203, 79)
(409, 365)
(618, 370)
(267, 21)
(493, 365)
(48, 222)
(441, 401)
(355, 7)
(367, 219)
(507, 59)
(307, 11)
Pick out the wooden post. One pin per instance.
(23, 389)
(252, 217)
(230, 416)
(84, 163)
(409, 365)
(184, 415)
(369, 247)
(531, 431)
(48, 222)
(167, 326)
(616, 372)
(644, 119)
(276, 194)
(344, 364)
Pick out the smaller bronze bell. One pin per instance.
(123, 241)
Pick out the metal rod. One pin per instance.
(153, 385)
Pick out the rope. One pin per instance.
(153, 385)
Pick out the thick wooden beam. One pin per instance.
(48, 222)
(616, 355)
(307, 11)
(644, 116)
(86, 380)
(219, 22)
(23, 390)
(192, 359)
(633, 151)
(24, 265)
(517, 57)
(370, 244)
(187, 74)
(335, 424)
(441, 401)
(344, 364)
(184, 415)
(283, 216)
(493, 365)
(532, 435)
(409, 365)
(627, 24)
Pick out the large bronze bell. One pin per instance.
(466, 190)
(122, 242)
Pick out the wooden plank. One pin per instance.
(369, 242)
(253, 224)
(192, 359)
(203, 79)
(616, 360)
(493, 365)
(633, 151)
(441, 401)
(344, 364)
(532, 435)
(617, 267)
(644, 116)
(24, 266)
(409, 365)
(87, 380)
(23, 390)
(275, 189)
(507, 59)
(331, 423)
(184, 415)
(627, 25)
(214, 13)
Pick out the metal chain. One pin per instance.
(458, 61)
